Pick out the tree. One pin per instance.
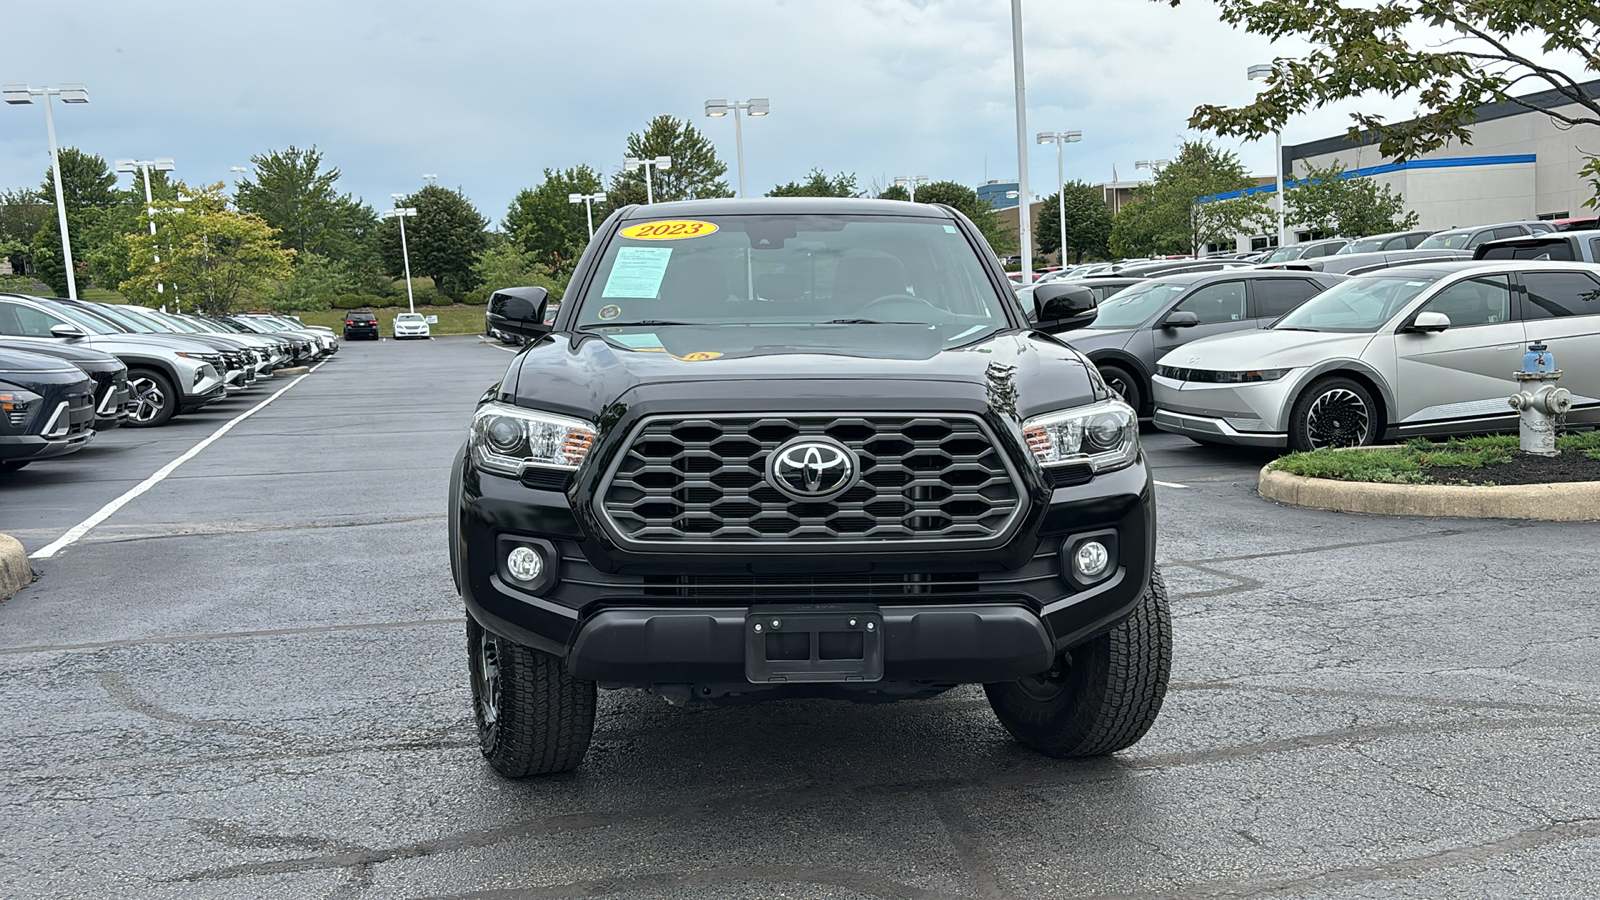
(211, 256)
(291, 192)
(1170, 217)
(86, 181)
(818, 184)
(1331, 202)
(696, 171)
(90, 196)
(1454, 56)
(313, 284)
(445, 239)
(544, 223)
(1002, 240)
(1088, 223)
(23, 213)
(505, 264)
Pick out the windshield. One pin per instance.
(1367, 245)
(1358, 305)
(1284, 254)
(790, 270)
(408, 317)
(138, 321)
(1132, 307)
(1445, 241)
(90, 323)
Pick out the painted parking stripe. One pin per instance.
(1172, 485)
(76, 532)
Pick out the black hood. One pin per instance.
(21, 362)
(94, 362)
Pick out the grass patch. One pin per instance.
(1410, 463)
(101, 295)
(452, 319)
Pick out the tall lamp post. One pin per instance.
(402, 213)
(1025, 212)
(429, 177)
(910, 182)
(633, 164)
(236, 170)
(1262, 72)
(1154, 165)
(1061, 138)
(143, 167)
(755, 106)
(22, 95)
(588, 209)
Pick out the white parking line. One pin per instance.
(506, 349)
(1172, 485)
(76, 532)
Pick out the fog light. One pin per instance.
(526, 565)
(1091, 559)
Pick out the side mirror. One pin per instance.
(1429, 321)
(523, 310)
(1180, 319)
(66, 331)
(1063, 307)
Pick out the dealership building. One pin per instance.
(1521, 165)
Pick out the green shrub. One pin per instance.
(359, 301)
(1393, 466)
(440, 300)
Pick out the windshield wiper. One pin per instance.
(639, 323)
(1294, 328)
(870, 322)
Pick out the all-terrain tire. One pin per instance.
(1103, 695)
(532, 717)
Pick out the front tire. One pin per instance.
(155, 399)
(1125, 385)
(532, 717)
(1333, 412)
(12, 465)
(1102, 695)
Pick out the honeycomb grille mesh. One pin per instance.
(704, 479)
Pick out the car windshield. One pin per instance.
(90, 323)
(1284, 254)
(1358, 305)
(794, 270)
(1131, 307)
(408, 317)
(1367, 245)
(1449, 240)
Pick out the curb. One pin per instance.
(1571, 501)
(15, 574)
(291, 371)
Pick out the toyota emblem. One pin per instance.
(812, 469)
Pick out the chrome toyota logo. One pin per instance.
(812, 469)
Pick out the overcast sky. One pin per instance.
(488, 94)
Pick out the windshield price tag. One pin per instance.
(670, 230)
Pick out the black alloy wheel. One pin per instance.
(1333, 412)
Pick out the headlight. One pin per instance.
(1105, 435)
(1205, 376)
(504, 439)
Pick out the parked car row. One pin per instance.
(363, 324)
(69, 368)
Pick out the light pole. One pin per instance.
(429, 178)
(910, 182)
(22, 95)
(1025, 213)
(1061, 138)
(755, 106)
(588, 210)
(402, 213)
(1154, 165)
(633, 164)
(1262, 72)
(143, 167)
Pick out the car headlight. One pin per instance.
(1105, 435)
(1206, 376)
(505, 439)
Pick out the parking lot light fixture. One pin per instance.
(22, 95)
(1060, 138)
(755, 106)
(1154, 165)
(402, 213)
(143, 167)
(429, 178)
(588, 209)
(633, 164)
(910, 182)
(1261, 72)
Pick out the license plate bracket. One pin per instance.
(813, 643)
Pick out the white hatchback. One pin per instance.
(411, 325)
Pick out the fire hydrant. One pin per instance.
(1539, 401)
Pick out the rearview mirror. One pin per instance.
(66, 331)
(1430, 321)
(1180, 319)
(521, 310)
(1063, 307)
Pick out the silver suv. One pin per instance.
(1413, 350)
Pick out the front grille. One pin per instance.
(923, 478)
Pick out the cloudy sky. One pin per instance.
(488, 94)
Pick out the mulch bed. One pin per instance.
(1524, 468)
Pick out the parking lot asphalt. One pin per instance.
(250, 682)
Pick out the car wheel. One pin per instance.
(12, 465)
(1333, 412)
(532, 717)
(1100, 696)
(1126, 386)
(155, 400)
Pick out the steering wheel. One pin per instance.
(897, 300)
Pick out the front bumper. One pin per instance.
(950, 616)
(1246, 415)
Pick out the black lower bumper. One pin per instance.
(32, 446)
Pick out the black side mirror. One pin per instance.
(1063, 307)
(522, 310)
(1180, 319)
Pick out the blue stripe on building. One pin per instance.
(1458, 162)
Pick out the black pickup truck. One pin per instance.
(803, 447)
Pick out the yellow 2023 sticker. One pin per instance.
(669, 230)
(700, 356)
